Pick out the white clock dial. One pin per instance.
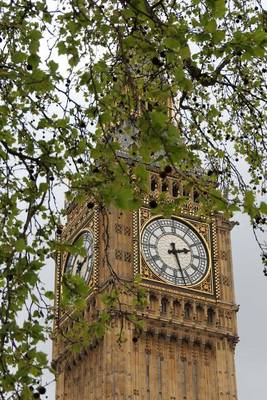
(82, 265)
(174, 251)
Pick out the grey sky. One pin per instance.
(250, 286)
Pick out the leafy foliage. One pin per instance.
(185, 81)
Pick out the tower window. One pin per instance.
(196, 196)
(175, 189)
(165, 186)
(164, 303)
(154, 183)
(211, 315)
(176, 306)
(152, 302)
(187, 311)
(186, 192)
(200, 313)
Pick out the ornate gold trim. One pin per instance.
(86, 221)
(215, 259)
(135, 241)
(96, 246)
(58, 287)
(202, 228)
(85, 229)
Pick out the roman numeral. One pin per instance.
(188, 276)
(147, 244)
(173, 228)
(186, 232)
(160, 226)
(195, 244)
(164, 267)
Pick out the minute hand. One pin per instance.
(174, 251)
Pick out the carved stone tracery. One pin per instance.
(181, 335)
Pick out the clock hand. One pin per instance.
(80, 265)
(181, 270)
(184, 250)
(174, 251)
(188, 276)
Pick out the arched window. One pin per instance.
(154, 183)
(175, 189)
(176, 307)
(211, 315)
(186, 192)
(164, 303)
(152, 302)
(187, 311)
(196, 196)
(208, 346)
(165, 186)
(200, 313)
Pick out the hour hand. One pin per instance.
(173, 249)
(184, 250)
(80, 265)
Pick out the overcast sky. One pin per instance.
(250, 286)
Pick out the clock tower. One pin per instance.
(185, 350)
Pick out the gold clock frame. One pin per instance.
(205, 229)
(185, 222)
(80, 233)
(84, 220)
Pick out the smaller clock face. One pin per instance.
(82, 265)
(175, 251)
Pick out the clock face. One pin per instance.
(175, 252)
(82, 265)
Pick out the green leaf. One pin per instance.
(158, 118)
(220, 8)
(263, 208)
(34, 60)
(185, 52)
(179, 74)
(18, 57)
(39, 81)
(171, 43)
(20, 244)
(129, 41)
(73, 27)
(62, 123)
(211, 26)
(62, 49)
(219, 201)
(218, 36)
(35, 37)
(30, 278)
(249, 201)
(49, 295)
(53, 66)
(123, 198)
